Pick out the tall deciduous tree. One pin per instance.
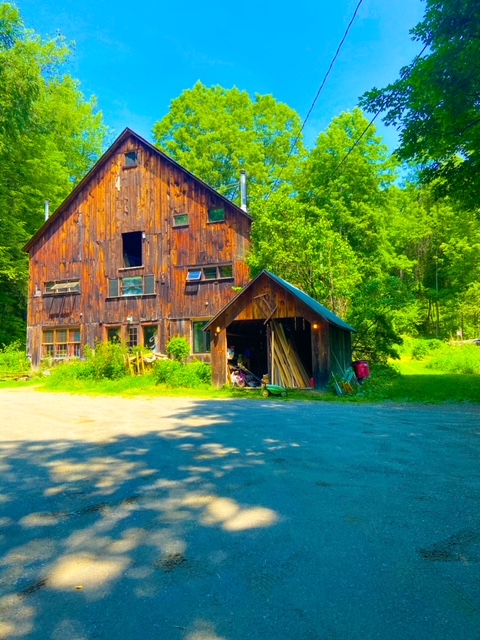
(296, 241)
(49, 137)
(435, 102)
(216, 133)
(349, 185)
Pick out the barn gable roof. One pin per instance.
(102, 160)
(315, 306)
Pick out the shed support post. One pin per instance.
(219, 357)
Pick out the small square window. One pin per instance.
(131, 159)
(132, 286)
(194, 275)
(210, 273)
(180, 220)
(226, 271)
(114, 335)
(216, 215)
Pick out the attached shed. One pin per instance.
(274, 328)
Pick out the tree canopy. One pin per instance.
(49, 137)
(435, 101)
(216, 133)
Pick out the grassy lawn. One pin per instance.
(417, 383)
(409, 381)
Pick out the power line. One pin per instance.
(404, 77)
(337, 52)
(379, 111)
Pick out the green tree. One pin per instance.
(350, 186)
(49, 137)
(295, 241)
(216, 133)
(435, 104)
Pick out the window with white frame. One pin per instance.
(59, 287)
(215, 272)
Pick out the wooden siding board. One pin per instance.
(85, 241)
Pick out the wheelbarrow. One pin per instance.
(272, 389)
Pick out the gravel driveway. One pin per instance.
(236, 520)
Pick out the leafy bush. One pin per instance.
(105, 362)
(178, 348)
(173, 373)
(423, 348)
(13, 359)
(456, 359)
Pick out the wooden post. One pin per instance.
(219, 356)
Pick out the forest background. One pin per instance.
(390, 242)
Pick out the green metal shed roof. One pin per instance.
(310, 302)
(315, 306)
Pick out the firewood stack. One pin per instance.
(287, 368)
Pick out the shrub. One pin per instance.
(178, 348)
(13, 359)
(423, 348)
(457, 359)
(107, 360)
(177, 374)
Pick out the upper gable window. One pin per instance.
(131, 159)
(216, 215)
(132, 249)
(180, 220)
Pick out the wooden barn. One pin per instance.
(141, 251)
(274, 328)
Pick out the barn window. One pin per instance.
(131, 286)
(150, 337)
(132, 337)
(114, 335)
(210, 273)
(193, 275)
(61, 343)
(113, 288)
(225, 271)
(180, 220)
(216, 215)
(201, 338)
(216, 272)
(58, 287)
(132, 249)
(131, 159)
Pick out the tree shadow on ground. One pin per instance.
(136, 536)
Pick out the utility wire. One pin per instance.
(337, 52)
(404, 77)
(378, 112)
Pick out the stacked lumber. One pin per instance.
(287, 368)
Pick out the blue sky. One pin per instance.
(136, 57)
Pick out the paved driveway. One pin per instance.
(231, 520)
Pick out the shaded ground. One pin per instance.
(226, 520)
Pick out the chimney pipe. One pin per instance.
(243, 191)
(47, 211)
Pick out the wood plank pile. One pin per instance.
(287, 368)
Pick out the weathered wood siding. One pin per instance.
(266, 299)
(85, 242)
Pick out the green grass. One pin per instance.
(415, 382)
(407, 380)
